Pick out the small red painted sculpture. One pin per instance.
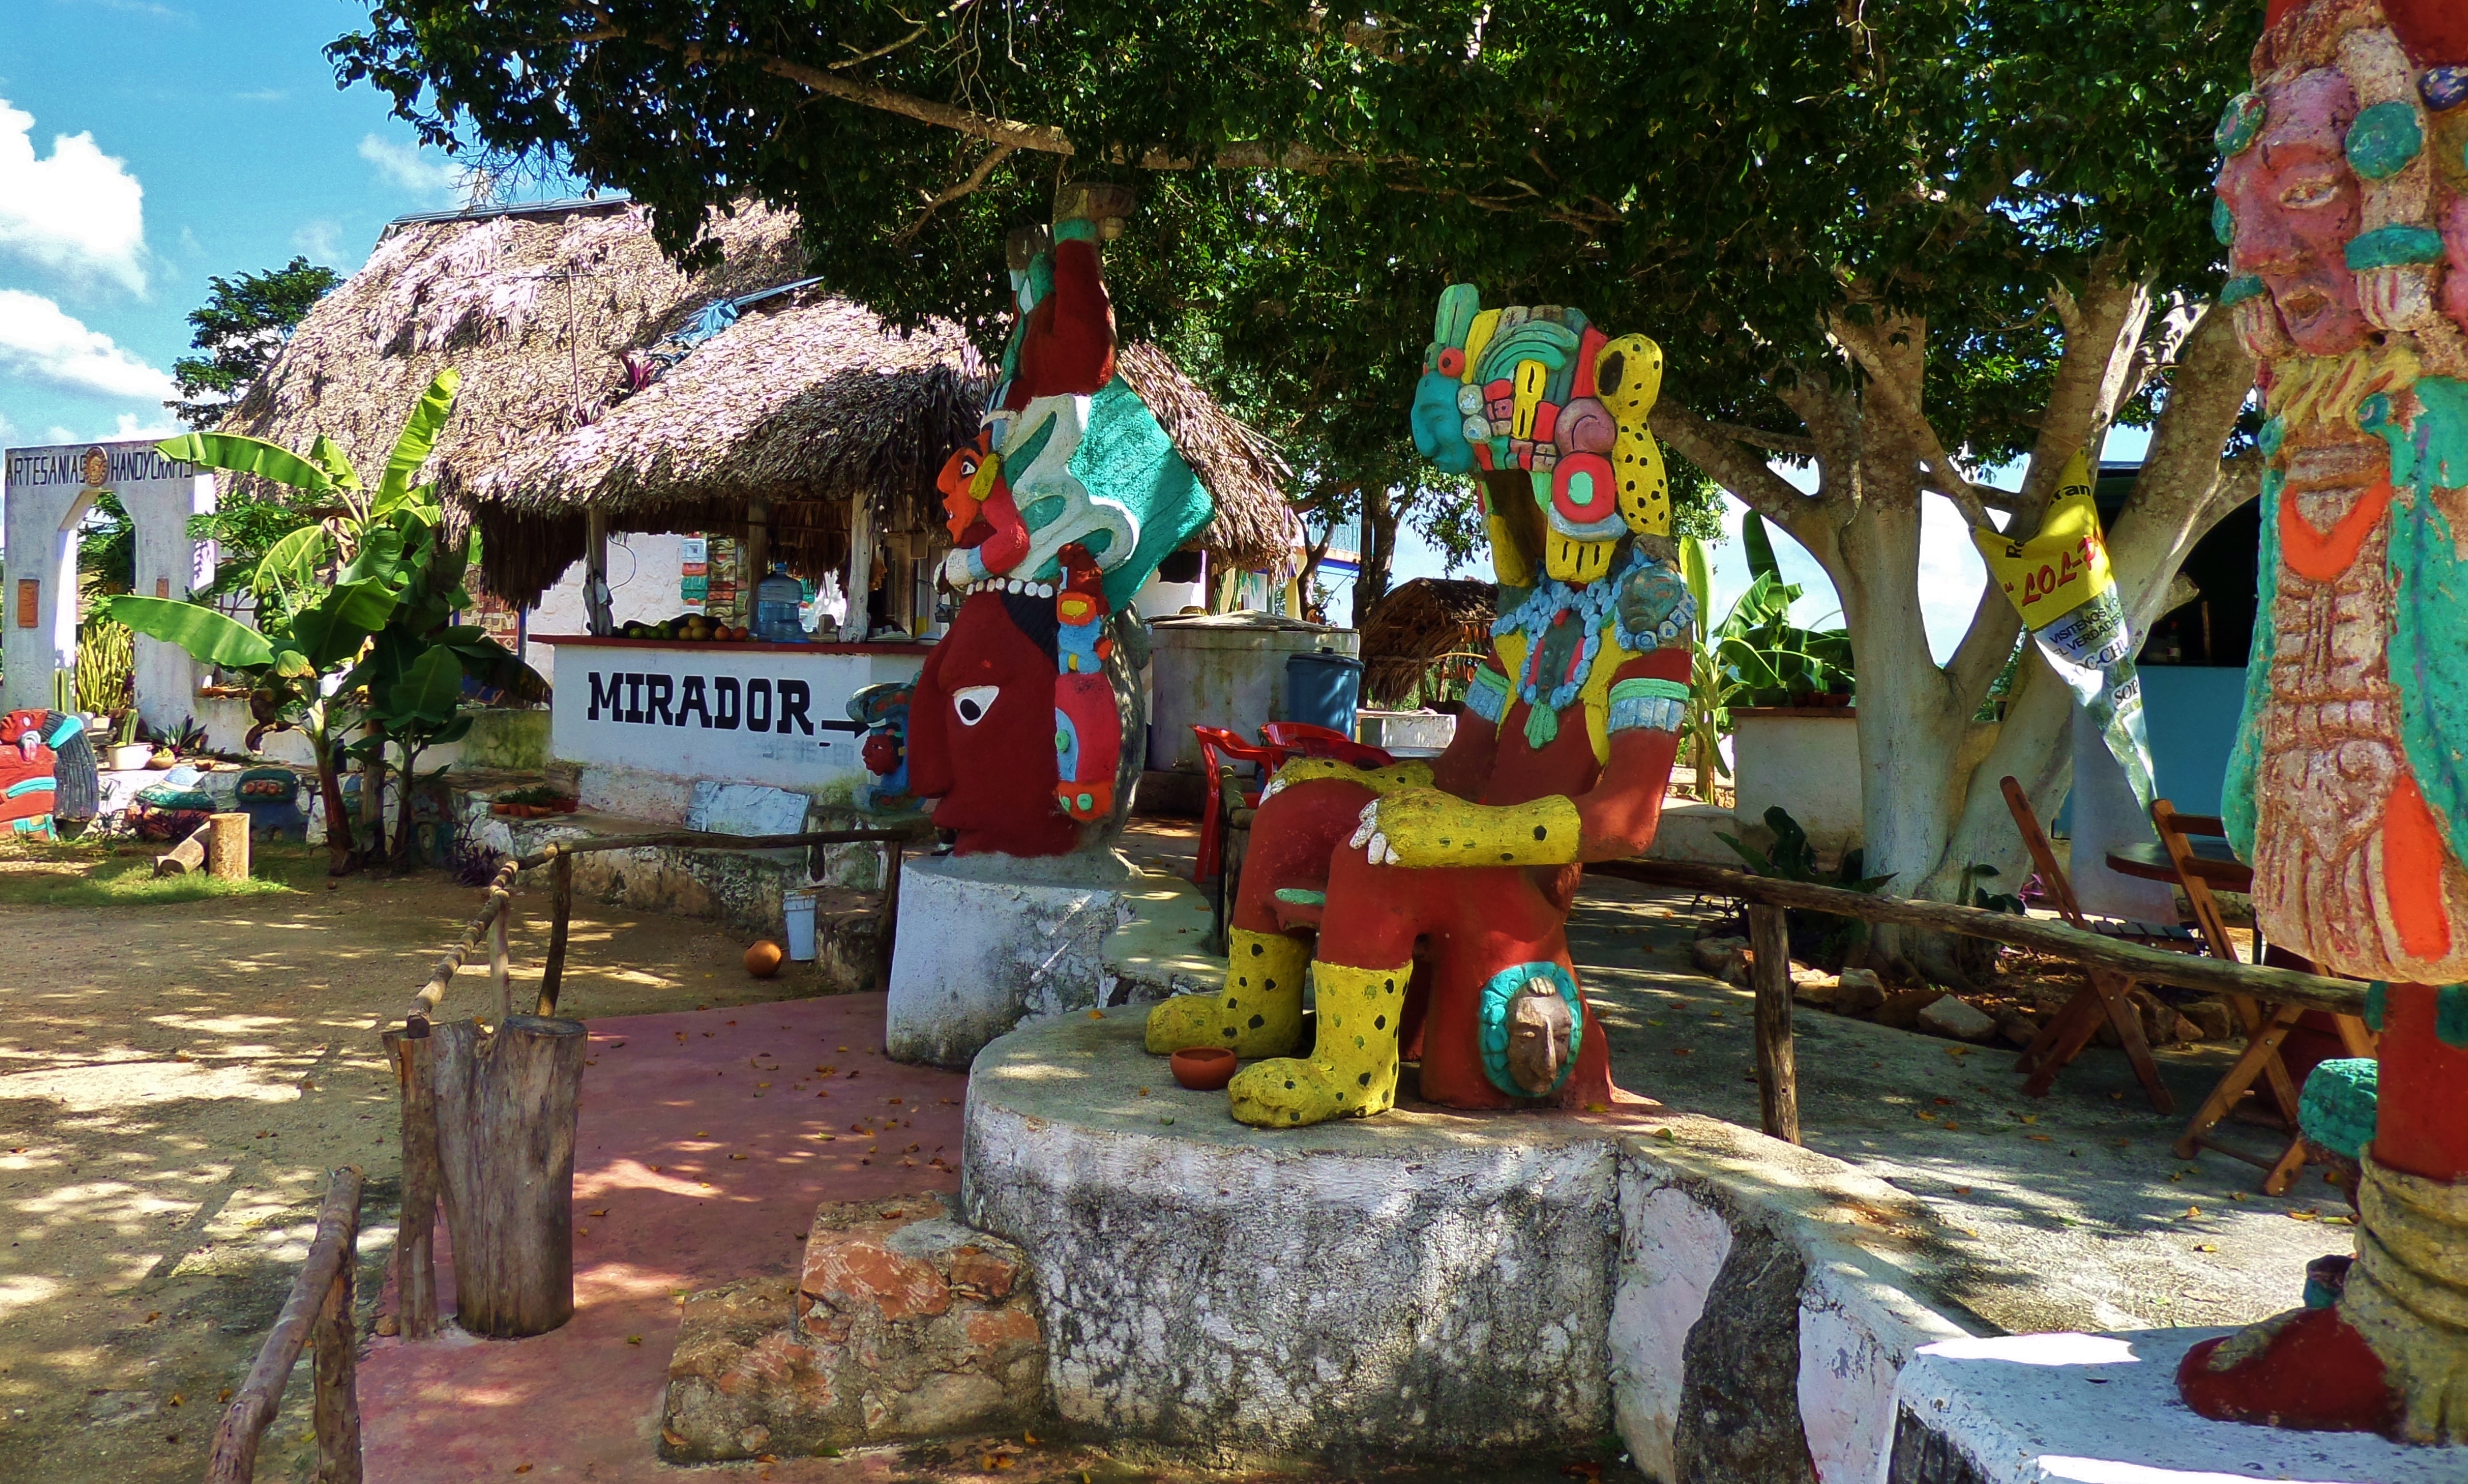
(1429, 902)
(1020, 727)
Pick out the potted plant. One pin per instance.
(129, 754)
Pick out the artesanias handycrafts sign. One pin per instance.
(2060, 582)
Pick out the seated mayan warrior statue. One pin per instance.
(1429, 901)
(2342, 202)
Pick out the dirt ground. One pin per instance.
(176, 1080)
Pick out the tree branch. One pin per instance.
(1736, 469)
(1042, 138)
(1777, 443)
(953, 192)
(2103, 338)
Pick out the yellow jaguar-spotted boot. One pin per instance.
(1259, 1013)
(1352, 1071)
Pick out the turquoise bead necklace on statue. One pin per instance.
(1549, 605)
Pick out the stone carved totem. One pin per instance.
(1429, 902)
(2344, 203)
(1024, 725)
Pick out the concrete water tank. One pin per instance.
(1225, 670)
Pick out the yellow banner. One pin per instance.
(2065, 567)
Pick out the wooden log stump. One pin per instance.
(505, 1146)
(227, 847)
(187, 855)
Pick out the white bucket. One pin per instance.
(798, 907)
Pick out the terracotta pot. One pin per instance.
(1203, 1069)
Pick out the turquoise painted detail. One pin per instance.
(2428, 663)
(2385, 138)
(1488, 695)
(1639, 687)
(1654, 607)
(2222, 221)
(2391, 247)
(1297, 897)
(2245, 758)
(1496, 995)
(2336, 1110)
(1037, 515)
(1647, 704)
(2273, 434)
(1126, 457)
(1079, 229)
(2237, 290)
(43, 784)
(2450, 1015)
(70, 726)
(2239, 123)
(2377, 1006)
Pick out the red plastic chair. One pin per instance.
(1303, 740)
(1217, 747)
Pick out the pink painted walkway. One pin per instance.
(697, 1162)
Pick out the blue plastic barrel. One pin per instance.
(1324, 688)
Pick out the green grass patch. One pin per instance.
(120, 872)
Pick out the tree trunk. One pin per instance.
(505, 1147)
(1379, 550)
(403, 811)
(342, 853)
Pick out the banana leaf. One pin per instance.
(294, 559)
(205, 634)
(379, 557)
(429, 690)
(327, 455)
(245, 455)
(419, 437)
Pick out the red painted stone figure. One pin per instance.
(2340, 189)
(1429, 902)
(1024, 723)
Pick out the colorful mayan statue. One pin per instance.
(1023, 726)
(2343, 200)
(1429, 901)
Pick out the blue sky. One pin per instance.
(146, 145)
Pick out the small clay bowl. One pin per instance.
(1203, 1069)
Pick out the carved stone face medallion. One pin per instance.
(2295, 204)
(1541, 1036)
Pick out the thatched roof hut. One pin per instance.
(804, 403)
(1422, 632)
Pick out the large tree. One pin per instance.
(1898, 242)
(241, 327)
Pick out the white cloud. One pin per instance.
(263, 95)
(43, 343)
(78, 211)
(321, 238)
(404, 167)
(154, 424)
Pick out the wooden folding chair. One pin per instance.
(2265, 1026)
(2104, 995)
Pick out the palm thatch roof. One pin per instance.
(1423, 631)
(804, 403)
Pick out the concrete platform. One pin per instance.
(1431, 1284)
(989, 943)
(2103, 1409)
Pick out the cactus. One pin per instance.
(107, 666)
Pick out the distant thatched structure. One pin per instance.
(1422, 634)
(804, 403)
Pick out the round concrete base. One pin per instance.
(1423, 1283)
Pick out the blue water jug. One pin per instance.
(1322, 689)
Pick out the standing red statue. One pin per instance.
(1428, 903)
(2343, 203)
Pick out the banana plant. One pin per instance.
(350, 607)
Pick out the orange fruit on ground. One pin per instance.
(763, 959)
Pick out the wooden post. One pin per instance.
(309, 1310)
(505, 1148)
(227, 847)
(1777, 1065)
(415, 1243)
(187, 855)
(561, 877)
(854, 628)
(887, 932)
(501, 967)
(335, 1410)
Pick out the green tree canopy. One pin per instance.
(241, 327)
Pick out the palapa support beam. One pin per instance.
(318, 1312)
